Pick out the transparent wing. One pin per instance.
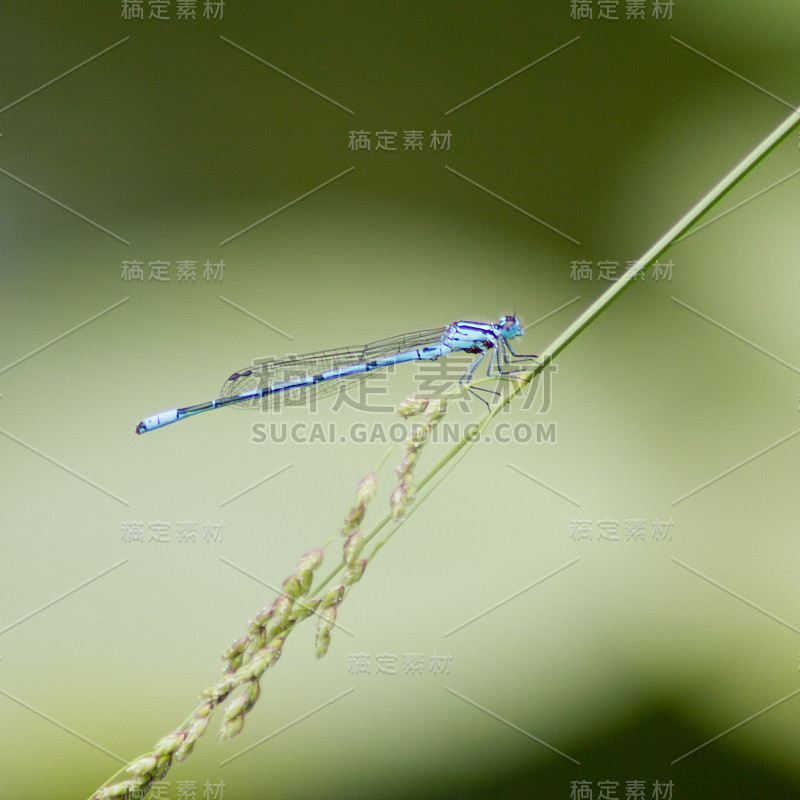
(264, 373)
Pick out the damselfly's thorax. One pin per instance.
(478, 337)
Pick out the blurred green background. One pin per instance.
(173, 141)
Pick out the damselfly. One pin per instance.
(271, 384)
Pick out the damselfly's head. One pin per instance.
(509, 327)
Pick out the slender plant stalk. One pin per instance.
(252, 654)
(649, 257)
(675, 232)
